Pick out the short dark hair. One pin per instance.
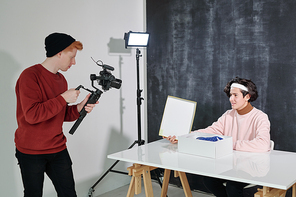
(252, 89)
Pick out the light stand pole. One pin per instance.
(139, 99)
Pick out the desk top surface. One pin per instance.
(276, 169)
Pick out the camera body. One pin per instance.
(106, 79)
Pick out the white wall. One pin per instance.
(112, 126)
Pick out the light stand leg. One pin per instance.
(92, 189)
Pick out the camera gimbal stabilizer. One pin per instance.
(93, 98)
(106, 80)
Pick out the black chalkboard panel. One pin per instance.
(197, 46)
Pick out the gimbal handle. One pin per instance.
(93, 98)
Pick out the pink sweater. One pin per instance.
(250, 132)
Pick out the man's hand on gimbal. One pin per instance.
(89, 107)
(71, 95)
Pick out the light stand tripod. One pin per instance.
(139, 141)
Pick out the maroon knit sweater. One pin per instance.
(41, 111)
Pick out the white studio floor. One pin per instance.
(173, 191)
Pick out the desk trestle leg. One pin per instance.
(137, 171)
(183, 179)
(270, 192)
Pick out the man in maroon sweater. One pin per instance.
(42, 107)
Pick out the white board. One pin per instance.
(177, 117)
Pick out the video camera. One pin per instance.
(106, 80)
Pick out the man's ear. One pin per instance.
(247, 97)
(59, 54)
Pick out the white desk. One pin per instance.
(275, 169)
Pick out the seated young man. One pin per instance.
(248, 126)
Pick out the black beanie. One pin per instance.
(56, 42)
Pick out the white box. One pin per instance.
(190, 145)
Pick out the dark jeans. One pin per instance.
(232, 188)
(57, 166)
